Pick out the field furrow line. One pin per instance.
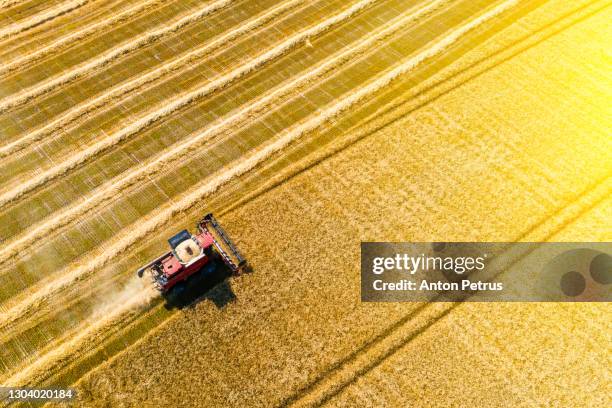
(162, 216)
(75, 353)
(134, 287)
(314, 76)
(69, 301)
(402, 332)
(504, 55)
(392, 27)
(235, 120)
(79, 71)
(9, 3)
(45, 33)
(69, 40)
(372, 354)
(120, 90)
(185, 100)
(83, 340)
(41, 18)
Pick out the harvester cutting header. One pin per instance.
(206, 251)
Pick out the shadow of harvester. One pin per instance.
(211, 282)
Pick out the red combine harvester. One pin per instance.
(209, 249)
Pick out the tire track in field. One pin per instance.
(120, 90)
(102, 323)
(349, 369)
(148, 38)
(162, 216)
(185, 100)
(419, 322)
(427, 321)
(409, 327)
(237, 119)
(114, 357)
(385, 344)
(41, 18)
(69, 40)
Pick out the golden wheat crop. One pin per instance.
(307, 127)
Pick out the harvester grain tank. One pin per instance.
(206, 250)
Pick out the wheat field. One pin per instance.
(306, 127)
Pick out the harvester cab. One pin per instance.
(205, 251)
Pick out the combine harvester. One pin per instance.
(208, 254)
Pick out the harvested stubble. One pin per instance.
(298, 201)
(304, 296)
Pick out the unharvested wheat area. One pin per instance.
(306, 127)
